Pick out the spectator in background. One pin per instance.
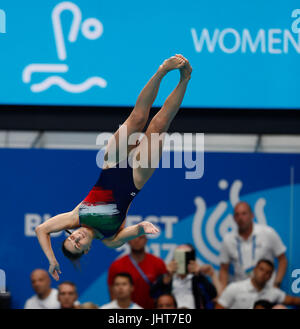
(122, 289)
(250, 243)
(244, 294)
(191, 290)
(46, 297)
(144, 269)
(88, 306)
(165, 302)
(67, 295)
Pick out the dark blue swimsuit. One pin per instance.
(105, 207)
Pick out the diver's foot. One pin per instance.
(186, 70)
(172, 63)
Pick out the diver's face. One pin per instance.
(79, 241)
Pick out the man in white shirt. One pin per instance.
(250, 243)
(46, 297)
(244, 294)
(122, 289)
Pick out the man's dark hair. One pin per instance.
(124, 275)
(70, 283)
(264, 303)
(267, 261)
(169, 295)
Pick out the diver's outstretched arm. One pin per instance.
(45, 243)
(129, 233)
(55, 224)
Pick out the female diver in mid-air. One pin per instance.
(101, 215)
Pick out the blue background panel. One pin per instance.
(37, 184)
(244, 53)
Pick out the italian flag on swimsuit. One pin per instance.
(99, 210)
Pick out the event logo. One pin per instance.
(90, 28)
(208, 231)
(2, 21)
(2, 282)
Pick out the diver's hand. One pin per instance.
(54, 270)
(147, 228)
